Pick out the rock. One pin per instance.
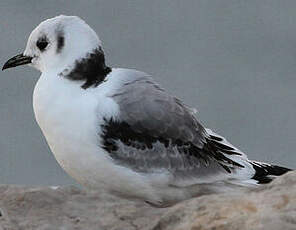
(270, 207)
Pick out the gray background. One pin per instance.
(232, 60)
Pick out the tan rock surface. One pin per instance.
(271, 207)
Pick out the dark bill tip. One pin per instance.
(17, 60)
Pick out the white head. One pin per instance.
(57, 43)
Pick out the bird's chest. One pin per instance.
(68, 119)
(64, 113)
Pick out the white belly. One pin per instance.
(70, 118)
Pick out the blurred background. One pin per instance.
(234, 60)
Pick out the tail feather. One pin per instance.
(265, 173)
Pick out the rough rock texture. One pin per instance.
(270, 207)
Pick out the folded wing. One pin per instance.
(156, 132)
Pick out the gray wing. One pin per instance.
(156, 131)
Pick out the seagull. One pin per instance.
(117, 129)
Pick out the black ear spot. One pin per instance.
(61, 41)
(42, 43)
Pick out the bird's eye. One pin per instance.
(42, 43)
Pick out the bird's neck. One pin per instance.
(91, 69)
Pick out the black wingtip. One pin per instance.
(265, 173)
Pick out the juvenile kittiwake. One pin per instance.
(117, 129)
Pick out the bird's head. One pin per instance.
(56, 43)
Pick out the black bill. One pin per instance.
(17, 60)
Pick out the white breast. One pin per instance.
(70, 119)
(67, 119)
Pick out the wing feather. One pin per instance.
(156, 131)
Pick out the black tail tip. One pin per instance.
(265, 173)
